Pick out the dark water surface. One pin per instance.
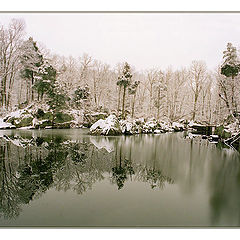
(68, 178)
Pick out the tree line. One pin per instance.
(30, 73)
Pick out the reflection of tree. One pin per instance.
(9, 200)
(78, 171)
(31, 166)
(122, 169)
(36, 174)
(84, 181)
(154, 177)
(34, 179)
(32, 176)
(152, 174)
(225, 192)
(77, 154)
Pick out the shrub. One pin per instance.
(62, 117)
(220, 131)
(24, 122)
(40, 113)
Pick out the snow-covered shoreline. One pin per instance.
(103, 124)
(112, 126)
(5, 125)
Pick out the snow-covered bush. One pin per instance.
(150, 126)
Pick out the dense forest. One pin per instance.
(30, 74)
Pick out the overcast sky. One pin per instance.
(144, 40)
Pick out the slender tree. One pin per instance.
(125, 81)
(132, 91)
(197, 80)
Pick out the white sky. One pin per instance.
(145, 40)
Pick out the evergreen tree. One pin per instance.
(125, 81)
(57, 99)
(81, 97)
(230, 66)
(45, 79)
(31, 60)
(132, 90)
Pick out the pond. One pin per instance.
(68, 178)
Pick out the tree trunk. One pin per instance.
(123, 102)
(150, 107)
(133, 104)
(4, 97)
(118, 106)
(158, 104)
(32, 87)
(95, 91)
(194, 107)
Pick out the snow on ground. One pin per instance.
(4, 125)
(26, 128)
(16, 114)
(177, 125)
(192, 123)
(157, 131)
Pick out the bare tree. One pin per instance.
(86, 64)
(10, 42)
(152, 77)
(197, 80)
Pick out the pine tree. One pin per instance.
(132, 90)
(230, 66)
(56, 99)
(45, 79)
(125, 81)
(31, 60)
(81, 97)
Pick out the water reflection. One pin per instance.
(30, 165)
(122, 170)
(32, 162)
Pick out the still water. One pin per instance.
(68, 178)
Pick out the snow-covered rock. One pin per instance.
(158, 131)
(150, 126)
(109, 126)
(5, 125)
(177, 126)
(15, 114)
(166, 127)
(192, 124)
(20, 118)
(126, 127)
